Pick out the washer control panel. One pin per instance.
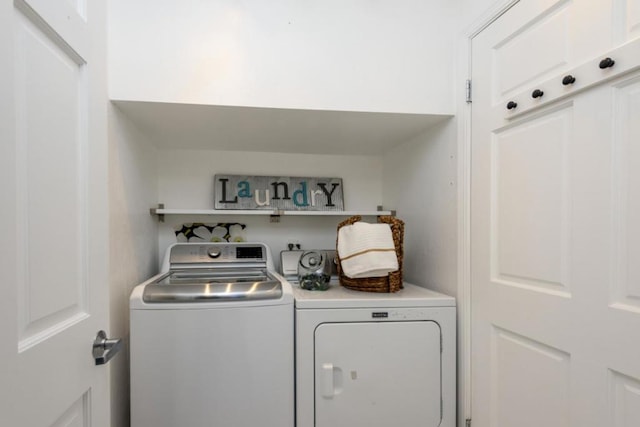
(217, 253)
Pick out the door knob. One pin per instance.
(104, 349)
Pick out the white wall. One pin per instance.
(359, 55)
(133, 239)
(421, 176)
(186, 181)
(420, 183)
(193, 170)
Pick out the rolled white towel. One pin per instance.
(366, 250)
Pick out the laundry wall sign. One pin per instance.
(278, 192)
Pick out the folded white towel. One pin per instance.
(366, 250)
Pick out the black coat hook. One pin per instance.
(606, 63)
(568, 80)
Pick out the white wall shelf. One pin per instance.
(274, 214)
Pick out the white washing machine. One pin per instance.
(212, 340)
(375, 360)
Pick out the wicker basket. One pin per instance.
(389, 283)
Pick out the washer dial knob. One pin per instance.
(214, 252)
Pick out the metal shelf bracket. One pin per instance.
(154, 211)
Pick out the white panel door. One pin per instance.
(378, 374)
(626, 24)
(53, 199)
(555, 240)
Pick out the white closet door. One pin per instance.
(53, 196)
(378, 374)
(555, 235)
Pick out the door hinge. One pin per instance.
(468, 422)
(467, 88)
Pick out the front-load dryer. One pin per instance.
(372, 359)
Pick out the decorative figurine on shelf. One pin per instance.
(220, 232)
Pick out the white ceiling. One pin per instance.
(274, 129)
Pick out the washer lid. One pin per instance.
(220, 284)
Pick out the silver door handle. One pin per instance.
(104, 349)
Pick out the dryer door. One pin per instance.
(378, 374)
